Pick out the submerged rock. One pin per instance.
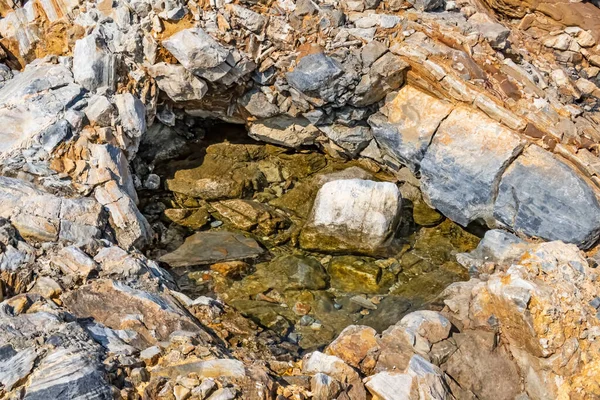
(211, 247)
(353, 215)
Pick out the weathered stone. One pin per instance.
(391, 385)
(257, 104)
(249, 19)
(72, 261)
(93, 64)
(177, 82)
(131, 226)
(496, 247)
(99, 111)
(68, 373)
(314, 73)
(371, 52)
(358, 275)
(284, 131)
(353, 215)
(210, 247)
(199, 53)
(423, 328)
(217, 368)
(132, 114)
(385, 75)
(407, 124)
(14, 369)
(334, 367)
(324, 387)
(354, 344)
(119, 307)
(352, 139)
(427, 5)
(539, 195)
(464, 163)
(496, 34)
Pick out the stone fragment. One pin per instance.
(385, 75)
(315, 73)
(371, 52)
(354, 344)
(249, 19)
(423, 328)
(284, 130)
(257, 104)
(94, 66)
(99, 111)
(353, 215)
(334, 367)
(497, 246)
(132, 114)
(177, 82)
(352, 139)
(199, 53)
(391, 385)
(14, 369)
(540, 195)
(464, 163)
(132, 228)
(72, 261)
(427, 5)
(153, 316)
(324, 387)
(211, 247)
(217, 368)
(69, 374)
(406, 125)
(496, 34)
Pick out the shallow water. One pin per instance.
(305, 297)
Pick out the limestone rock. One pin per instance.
(93, 64)
(334, 367)
(407, 124)
(118, 306)
(385, 75)
(284, 131)
(177, 82)
(211, 247)
(132, 114)
(99, 111)
(353, 215)
(354, 344)
(464, 163)
(72, 261)
(496, 247)
(199, 53)
(541, 196)
(427, 5)
(257, 104)
(315, 75)
(132, 228)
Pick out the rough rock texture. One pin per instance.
(463, 165)
(353, 215)
(540, 195)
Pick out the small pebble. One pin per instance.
(216, 224)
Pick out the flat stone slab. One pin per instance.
(541, 196)
(404, 127)
(211, 247)
(353, 215)
(463, 164)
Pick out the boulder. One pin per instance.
(177, 82)
(405, 126)
(334, 367)
(257, 104)
(199, 53)
(132, 113)
(353, 215)
(211, 247)
(463, 164)
(354, 344)
(540, 195)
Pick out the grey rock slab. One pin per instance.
(540, 195)
(406, 124)
(463, 165)
(354, 215)
(16, 368)
(177, 82)
(200, 53)
(497, 246)
(211, 247)
(427, 5)
(314, 72)
(352, 139)
(386, 74)
(68, 374)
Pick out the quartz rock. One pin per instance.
(353, 215)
